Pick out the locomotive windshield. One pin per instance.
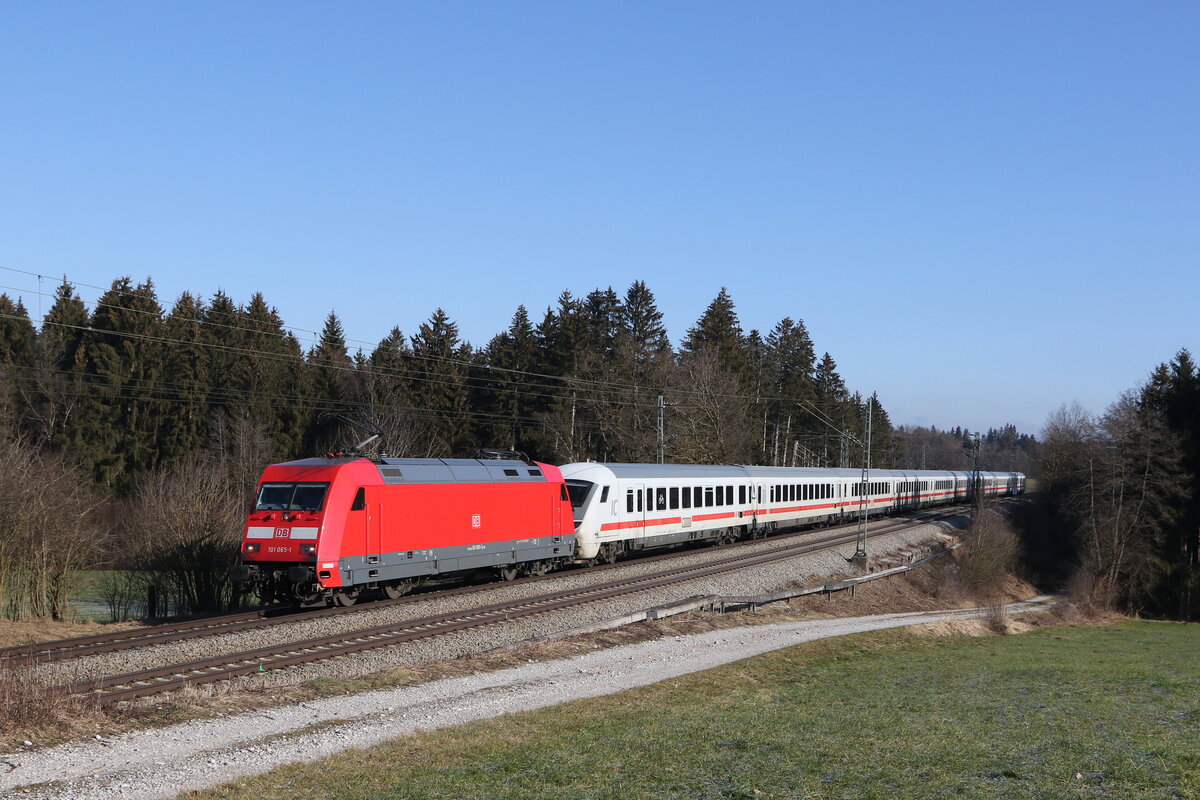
(291, 497)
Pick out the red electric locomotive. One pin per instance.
(327, 529)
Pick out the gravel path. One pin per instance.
(164, 762)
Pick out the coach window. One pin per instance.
(708, 496)
(662, 498)
(729, 495)
(720, 495)
(674, 497)
(687, 497)
(638, 494)
(604, 495)
(629, 501)
(742, 495)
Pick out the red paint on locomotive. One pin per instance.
(341, 517)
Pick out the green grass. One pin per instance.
(88, 595)
(882, 715)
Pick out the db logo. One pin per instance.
(282, 533)
(476, 521)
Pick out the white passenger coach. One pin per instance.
(621, 507)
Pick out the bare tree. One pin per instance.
(715, 421)
(48, 531)
(1113, 481)
(185, 531)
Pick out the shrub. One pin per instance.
(990, 554)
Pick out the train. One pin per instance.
(328, 530)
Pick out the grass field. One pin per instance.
(88, 596)
(1108, 712)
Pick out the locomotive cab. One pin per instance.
(299, 508)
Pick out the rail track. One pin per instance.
(116, 688)
(116, 641)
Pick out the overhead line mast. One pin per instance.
(860, 552)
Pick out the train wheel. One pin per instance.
(726, 536)
(509, 573)
(398, 589)
(346, 597)
(610, 552)
(539, 567)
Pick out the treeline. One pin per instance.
(1000, 450)
(164, 417)
(1119, 496)
(129, 386)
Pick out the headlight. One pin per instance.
(308, 549)
(251, 547)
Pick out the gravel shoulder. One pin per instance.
(161, 763)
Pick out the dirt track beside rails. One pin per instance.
(161, 763)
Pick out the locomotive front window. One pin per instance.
(291, 497)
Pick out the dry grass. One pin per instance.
(29, 706)
(14, 634)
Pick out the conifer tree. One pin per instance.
(508, 401)
(439, 386)
(185, 380)
(719, 331)
(789, 361)
(18, 342)
(222, 329)
(1173, 395)
(883, 454)
(602, 315)
(829, 419)
(118, 433)
(643, 324)
(276, 380)
(562, 335)
(60, 368)
(333, 384)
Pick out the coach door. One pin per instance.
(635, 509)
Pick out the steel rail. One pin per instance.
(116, 641)
(153, 681)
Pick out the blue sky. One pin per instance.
(982, 210)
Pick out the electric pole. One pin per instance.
(860, 552)
(662, 439)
